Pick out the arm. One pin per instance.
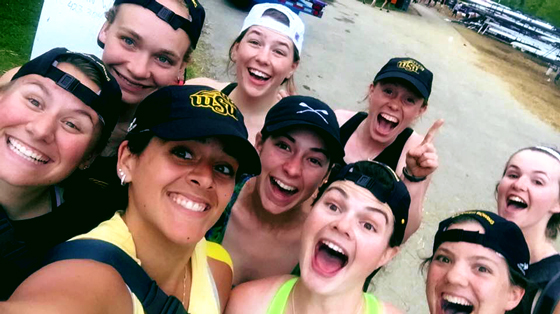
(206, 82)
(389, 308)
(223, 277)
(343, 115)
(254, 296)
(71, 286)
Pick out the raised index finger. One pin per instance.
(432, 131)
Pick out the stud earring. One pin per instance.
(123, 176)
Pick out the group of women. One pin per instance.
(242, 183)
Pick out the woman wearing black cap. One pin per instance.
(297, 146)
(56, 115)
(186, 148)
(355, 227)
(478, 265)
(528, 195)
(397, 97)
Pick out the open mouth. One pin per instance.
(456, 305)
(261, 76)
(329, 257)
(189, 204)
(282, 187)
(387, 122)
(516, 202)
(26, 152)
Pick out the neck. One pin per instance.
(253, 105)
(369, 147)
(24, 202)
(164, 261)
(307, 301)
(251, 201)
(540, 247)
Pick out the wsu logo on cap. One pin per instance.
(410, 66)
(215, 100)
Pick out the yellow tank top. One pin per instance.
(203, 297)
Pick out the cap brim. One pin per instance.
(412, 80)
(240, 148)
(333, 143)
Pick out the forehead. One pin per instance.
(472, 252)
(270, 34)
(536, 161)
(359, 197)
(303, 135)
(400, 83)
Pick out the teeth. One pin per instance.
(334, 247)
(188, 204)
(284, 186)
(259, 73)
(25, 152)
(517, 199)
(456, 300)
(389, 118)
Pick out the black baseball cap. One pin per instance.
(107, 103)
(500, 235)
(306, 111)
(397, 197)
(410, 70)
(191, 25)
(187, 112)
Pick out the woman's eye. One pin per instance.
(442, 259)
(388, 91)
(368, 226)
(280, 52)
(225, 169)
(182, 153)
(483, 269)
(512, 175)
(34, 102)
(316, 161)
(411, 101)
(164, 59)
(282, 146)
(128, 41)
(71, 125)
(253, 42)
(332, 207)
(539, 182)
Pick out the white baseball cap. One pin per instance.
(294, 30)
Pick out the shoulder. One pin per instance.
(7, 77)
(389, 308)
(255, 295)
(207, 82)
(72, 286)
(343, 115)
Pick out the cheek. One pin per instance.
(73, 147)
(165, 77)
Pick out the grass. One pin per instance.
(18, 22)
(524, 74)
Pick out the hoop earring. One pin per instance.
(123, 177)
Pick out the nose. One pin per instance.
(456, 274)
(293, 166)
(202, 175)
(263, 56)
(520, 183)
(139, 67)
(43, 127)
(343, 225)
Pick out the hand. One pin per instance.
(281, 94)
(421, 161)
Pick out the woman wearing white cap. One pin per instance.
(529, 195)
(397, 97)
(266, 54)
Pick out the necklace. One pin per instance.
(184, 285)
(294, 296)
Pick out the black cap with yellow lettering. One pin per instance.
(410, 70)
(178, 113)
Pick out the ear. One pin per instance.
(102, 36)
(293, 69)
(422, 109)
(514, 297)
(371, 88)
(259, 142)
(388, 255)
(126, 161)
(234, 52)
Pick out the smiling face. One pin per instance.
(528, 193)
(469, 278)
(345, 238)
(45, 131)
(264, 59)
(142, 51)
(392, 108)
(294, 163)
(179, 188)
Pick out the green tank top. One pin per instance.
(280, 300)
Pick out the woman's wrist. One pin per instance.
(410, 177)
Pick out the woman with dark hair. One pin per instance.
(56, 115)
(478, 265)
(396, 98)
(356, 226)
(266, 54)
(186, 148)
(529, 195)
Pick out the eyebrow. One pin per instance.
(314, 149)
(535, 171)
(41, 86)
(137, 37)
(368, 208)
(257, 32)
(85, 113)
(377, 210)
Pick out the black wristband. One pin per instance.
(410, 177)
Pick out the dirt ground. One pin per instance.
(485, 117)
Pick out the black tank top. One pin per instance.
(229, 88)
(391, 154)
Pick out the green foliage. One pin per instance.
(548, 10)
(18, 22)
